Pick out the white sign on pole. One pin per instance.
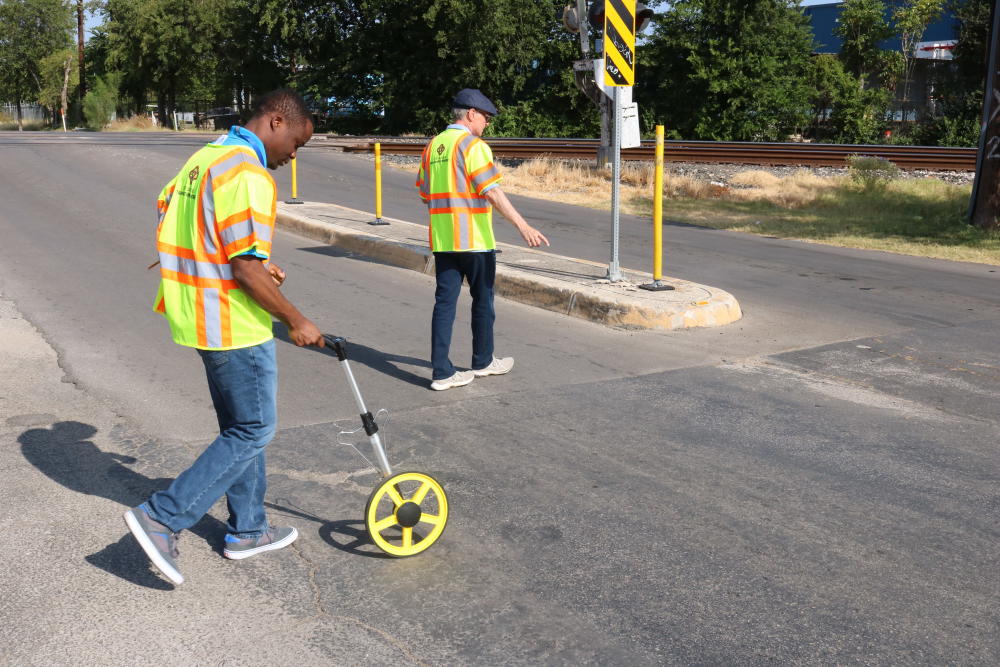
(630, 126)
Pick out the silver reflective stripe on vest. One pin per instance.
(213, 317)
(160, 215)
(227, 164)
(459, 202)
(242, 230)
(190, 267)
(464, 242)
(208, 210)
(461, 175)
(490, 173)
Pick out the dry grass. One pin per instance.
(8, 123)
(138, 123)
(922, 217)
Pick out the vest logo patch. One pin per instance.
(193, 174)
(440, 149)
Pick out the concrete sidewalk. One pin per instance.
(564, 285)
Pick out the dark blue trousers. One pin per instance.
(479, 269)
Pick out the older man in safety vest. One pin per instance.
(460, 185)
(218, 293)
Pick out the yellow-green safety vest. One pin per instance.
(221, 204)
(456, 171)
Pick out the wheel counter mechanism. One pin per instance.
(407, 511)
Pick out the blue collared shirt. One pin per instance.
(240, 136)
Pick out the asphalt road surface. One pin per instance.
(815, 484)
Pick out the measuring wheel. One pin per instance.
(406, 514)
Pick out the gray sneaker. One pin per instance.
(158, 541)
(459, 379)
(496, 367)
(275, 537)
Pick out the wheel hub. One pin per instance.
(408, 514)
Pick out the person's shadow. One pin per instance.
(66, 455)
(375, 359)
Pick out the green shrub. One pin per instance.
(100, 102)
(871, 173)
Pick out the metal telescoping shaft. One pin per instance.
(376, 441)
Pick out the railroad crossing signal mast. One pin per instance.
(619, 20)
(588, 72)
(984, 207)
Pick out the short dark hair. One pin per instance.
(285, 101)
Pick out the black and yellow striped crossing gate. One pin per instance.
(619, 43)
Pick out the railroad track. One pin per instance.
(932, 158)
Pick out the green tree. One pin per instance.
(59, 73)
(169, 47)
(863, 27)
(729, 69)
(101, 101)
(426, 50)
(30, 30)
(959, 114)
(912, 18)
(860, 114)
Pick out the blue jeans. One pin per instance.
(480, 269)
(244, 387)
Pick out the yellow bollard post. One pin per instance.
(658, 285)
(295, 185)
(378, 187)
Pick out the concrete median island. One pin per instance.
(564, 285)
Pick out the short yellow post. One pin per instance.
(378, 187)
(295, 185)
(658, 207)
(658, 285)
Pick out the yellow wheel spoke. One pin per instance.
(418, 497)
(433, 519)
(387, 522)
(407, 538)
(393, 494)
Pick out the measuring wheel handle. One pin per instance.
(406, 513)
(339, 345)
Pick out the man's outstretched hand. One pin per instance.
(532, 236)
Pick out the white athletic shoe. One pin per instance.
(496, 367)
(459, 379)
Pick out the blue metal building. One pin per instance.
(824, 19)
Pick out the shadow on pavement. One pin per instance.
(66, 455)
(377, 360)
(347, 535)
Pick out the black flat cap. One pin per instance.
(471, 98)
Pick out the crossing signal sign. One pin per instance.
(619, 42)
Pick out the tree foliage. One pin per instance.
(729, 69)
(30, 31)
(711, 69)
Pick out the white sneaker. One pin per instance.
(459, 379)
(496, 367)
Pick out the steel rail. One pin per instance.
(933, 158)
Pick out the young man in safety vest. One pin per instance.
(218, 292)
(460, 185)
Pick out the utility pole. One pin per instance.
(984, 207)
(79, 48)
